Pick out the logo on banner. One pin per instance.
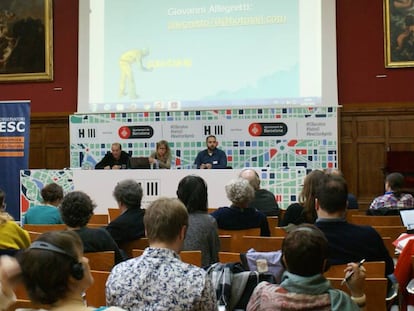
(87, 133)
(268, 129)
(136, 132)
(215, 130)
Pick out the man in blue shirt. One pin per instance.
(211, 157)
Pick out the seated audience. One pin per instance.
(161, 158)
(115, 159)
(304, 211)
(55, 272)
(159, 280)
(404, 273)
(393, 197)
(202, 231)
(347, 242)
(352, 200)
(211, 157)
(77, 209)
(12, 236)
(48, 212)
(9, 276)
(239, 215)
(303, 286)
(130, 224)
(264, 200)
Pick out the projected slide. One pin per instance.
(186, 54)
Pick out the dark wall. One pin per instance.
(59, 95)
(360, 48)
(360, 51)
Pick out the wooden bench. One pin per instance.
(260, 243)
(95, 294)
(141, 243)
(102, 219)
(44, 228)
(225, 257)
(373, 269)
(390, 231)
(376, 220)
(236, 236)
(113, 213)
(101, 261)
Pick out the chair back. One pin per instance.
(44, 228)
(113, 213)
(226, 257)
(278, 231)
(390, 231)
(101, 261)
(95, 294)
(129, 246)
(99, 219)
(260, 243)
(236, 236)
(376, 220)
(273, 221)
(225, 242)
(191, 257)
(34, 235)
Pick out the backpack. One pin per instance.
(234, 285)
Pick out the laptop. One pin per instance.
(139, 163)
(407, 218)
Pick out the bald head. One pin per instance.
(252, 176)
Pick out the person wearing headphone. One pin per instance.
(55, 272)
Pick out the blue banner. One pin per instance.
(14, 150)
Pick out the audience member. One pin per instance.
(404, 273)
(161, 158)
(13, 237)
(264, 200)
(347, 242)
(48, 212)
(115, 159)
(9, 276)
(130, 224)
(56, 273)
(303, 286)
(77, 209)
(304, 211)
(393, 198)
(352, 200)
(211, 157)
(239, 215)
(202, 231)
(159, 280)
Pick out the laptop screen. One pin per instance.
(407, 218)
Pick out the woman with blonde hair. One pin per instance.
(161, 157)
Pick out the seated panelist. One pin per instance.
(115, 159)
(211, 157)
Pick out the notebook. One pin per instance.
(407, 218)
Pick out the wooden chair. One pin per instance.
(95, 226)
(34, 235)
(273, 221)
(375, 289)
(225, 257)
(191, 257)
(99, 219)
(278, 231)
(225, 242)
(236, 236)
(390, 231)
(389, 246)
(101, 261)
(113, 213)
(260, 243)
(350, 212)
(376, 220)
(141, 243)
(44, 228)
(374, 269)
(95, 294)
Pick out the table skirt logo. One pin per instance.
(135, 132)
(268, 129)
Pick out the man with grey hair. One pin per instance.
(239, 215)
(263, 200)
(130, 224)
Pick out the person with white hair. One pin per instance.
(239, 215)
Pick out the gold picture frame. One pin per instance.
(26, 45)
(399, 33)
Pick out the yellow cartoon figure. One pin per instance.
(127, 81)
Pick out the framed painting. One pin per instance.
(399, 33)
(26, 47)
